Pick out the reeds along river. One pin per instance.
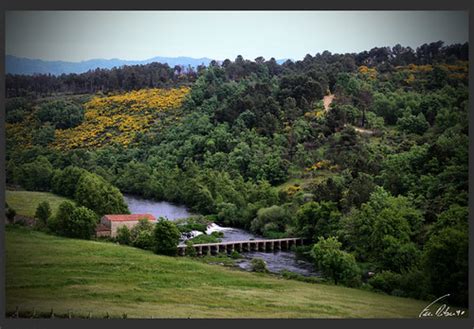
(276, 261)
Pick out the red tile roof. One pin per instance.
(132, 217)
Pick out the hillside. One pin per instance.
(103, 277)
(382, 175)
(25, 202)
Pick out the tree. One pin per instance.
(61, 114)
(166, 237)
(275, 215)
(315, 219)
(413, 124)
(35, 175)
(365, 230)
(43, 212)
(81, 224)
(44, 135)
(445, 260)
(335, 263)
(64, 182)
(59, 222)
(95, 193)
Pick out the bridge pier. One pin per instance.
(241, 246)
(277, 245)
(253, 246)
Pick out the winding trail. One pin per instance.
(327, 100)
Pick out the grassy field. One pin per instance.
(44, 272)
(25, 202)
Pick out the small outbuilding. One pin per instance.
(110, 223)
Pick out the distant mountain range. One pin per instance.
(21, 65)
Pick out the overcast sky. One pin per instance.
(138, 35)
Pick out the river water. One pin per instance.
(276, 261)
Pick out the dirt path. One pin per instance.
(327, 100)
(362, 130)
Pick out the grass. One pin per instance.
(45, 272)
(25, 202)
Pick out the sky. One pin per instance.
(138, 35)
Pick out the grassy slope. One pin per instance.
(45, 272)
(25, 202)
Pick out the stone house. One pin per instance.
(110, 223)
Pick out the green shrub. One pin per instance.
(141, 235)
(166, 236)
(123, 235)
(81, 224)
(205, 238)
(258, 265)
(190, 251)
(10, 213)
(58, 222)
(43, 213)
(335, 263)
(386, 281)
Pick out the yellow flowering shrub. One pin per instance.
(118, 118)
(323, 164)
(371, 73)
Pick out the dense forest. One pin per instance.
(380, 176)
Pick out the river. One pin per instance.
(276, 261)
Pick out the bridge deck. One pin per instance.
(224, 243)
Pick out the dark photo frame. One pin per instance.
(263, 240)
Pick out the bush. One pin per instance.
(386, 281)
(141, 235)
(259, 265)
(58, 222)
(166, 237)
(10, 213)
(123, 235)
(36, 175)
(275, 215)
(62, 114)
(43, 212)
(198, 223)
(81, 224)
(190, 251)
(335, 263)
(97, 194)
(445, 260)
(211, 238)
(64, 182)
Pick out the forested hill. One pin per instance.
(249, 143)
(20, 65)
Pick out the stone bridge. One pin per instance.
(266, 245)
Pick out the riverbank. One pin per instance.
(45, 272)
